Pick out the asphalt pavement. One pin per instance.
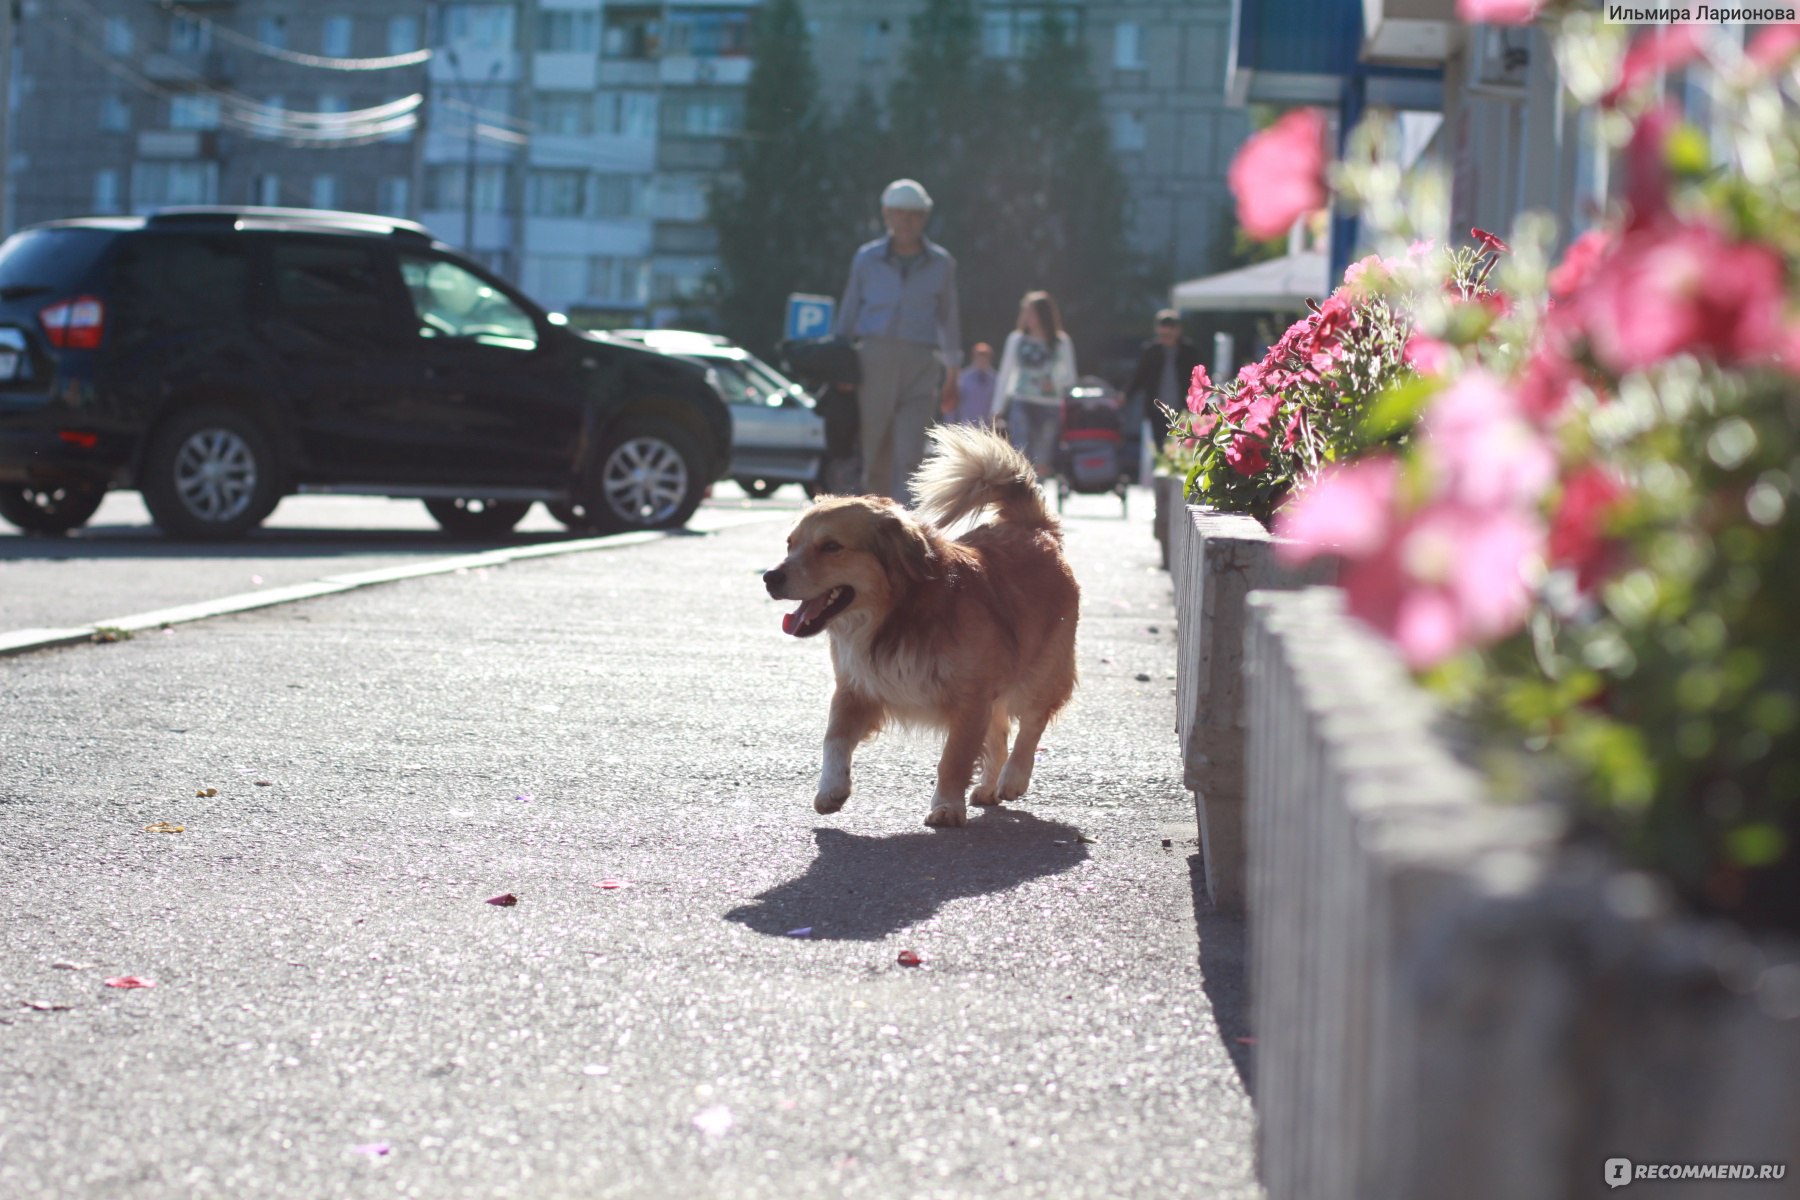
(698, 991)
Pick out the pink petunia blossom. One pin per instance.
(1498, 12)
(1247, 454)
(1578, 263)
(1433, 581)
(1278, 175)
(1489, 243)
(1578, 530)
(1489, 454)
(1198, 387)
(1426, 355)
(1346, 510)
(1685, 289)
(1660, 49)
(1774, 46)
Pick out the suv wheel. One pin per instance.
(209, 473)
(648, 476)
(473, 518)
(50, 510)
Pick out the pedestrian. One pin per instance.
(900, 306)
(1036, 368)
(1164, 368)
(974, 388)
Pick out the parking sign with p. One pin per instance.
(809, 316)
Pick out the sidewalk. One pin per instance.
(338, 1012)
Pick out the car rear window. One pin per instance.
(51, 259)
(173, 282)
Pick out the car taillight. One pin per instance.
(76, 324)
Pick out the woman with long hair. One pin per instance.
(1036, 368)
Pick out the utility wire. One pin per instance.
(322, 62)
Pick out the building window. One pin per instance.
(1128, 47)
(272, 32)
(627, 114)
(1013, 32)
(444, 188)
(617, 196)
(564, 32)
(681, 198)
(567, 113)
(403, 35)
(106, 192)
(189, 35)
(677, 279)
(703, 116)
(117, 36)
(618, 280)
(478, 26)
(632, 33)
(556, 279)
(556, 192)
(194, 111)
(335, 42)
(709, 34)
(265, 189)
(324, 191)
(393, 195)
(1128, 131)
(332, 102)
(155, 184)
(115, 114)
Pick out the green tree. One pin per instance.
(769, 215)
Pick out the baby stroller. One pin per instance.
(831, 371)
(1089, 450)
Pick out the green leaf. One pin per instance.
(1398, 406)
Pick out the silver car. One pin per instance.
(776, 437)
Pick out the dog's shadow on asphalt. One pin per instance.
(863, 888)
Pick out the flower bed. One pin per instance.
(1449, 998)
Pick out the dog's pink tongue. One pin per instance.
(794, 621)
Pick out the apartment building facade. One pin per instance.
(568, 144)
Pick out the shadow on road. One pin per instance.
(128, 541)
(1224, 972)
(864, 888)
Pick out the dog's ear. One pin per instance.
(904, 547)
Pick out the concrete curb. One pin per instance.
(23, 641)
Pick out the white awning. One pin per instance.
(1280, 285)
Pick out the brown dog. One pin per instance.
(965, 636)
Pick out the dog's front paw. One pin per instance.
(830, 799)
(945, 815)
(1014, 779)
(985, 795)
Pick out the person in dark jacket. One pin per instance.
(1164, 367)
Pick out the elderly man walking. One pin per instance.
(900, 306)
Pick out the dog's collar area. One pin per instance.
(812, 617)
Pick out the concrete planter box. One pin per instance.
(1448, 998)
(1216, 560)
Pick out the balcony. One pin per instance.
(178, 143)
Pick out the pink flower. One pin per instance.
(1578, 530)
(1544, 388)
(1259, 412)
(1578, 263)
(1432, 581)
(1498, 12)
(1490, 455)
(1365, 274)
(1345, 511)
(1685, 290)
(1489, 243)
(1774, 46)
(1204, 427)
(1663, 48)
(1198, 386)
(1426, 355)
(1247, 454)
(1278, 176)
(1647, 169)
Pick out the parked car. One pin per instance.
(218, 359)
(777, 436)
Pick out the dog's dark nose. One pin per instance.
(773, 580)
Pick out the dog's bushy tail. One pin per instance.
(970, 468)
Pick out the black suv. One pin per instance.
(219, 359)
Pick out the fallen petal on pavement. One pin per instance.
(504, 900)
(803, 931)
(130, 981)
(909, 958)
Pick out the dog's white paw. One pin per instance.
(1014, 779)
(985, 795)
(830, 799)
(947, 815)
